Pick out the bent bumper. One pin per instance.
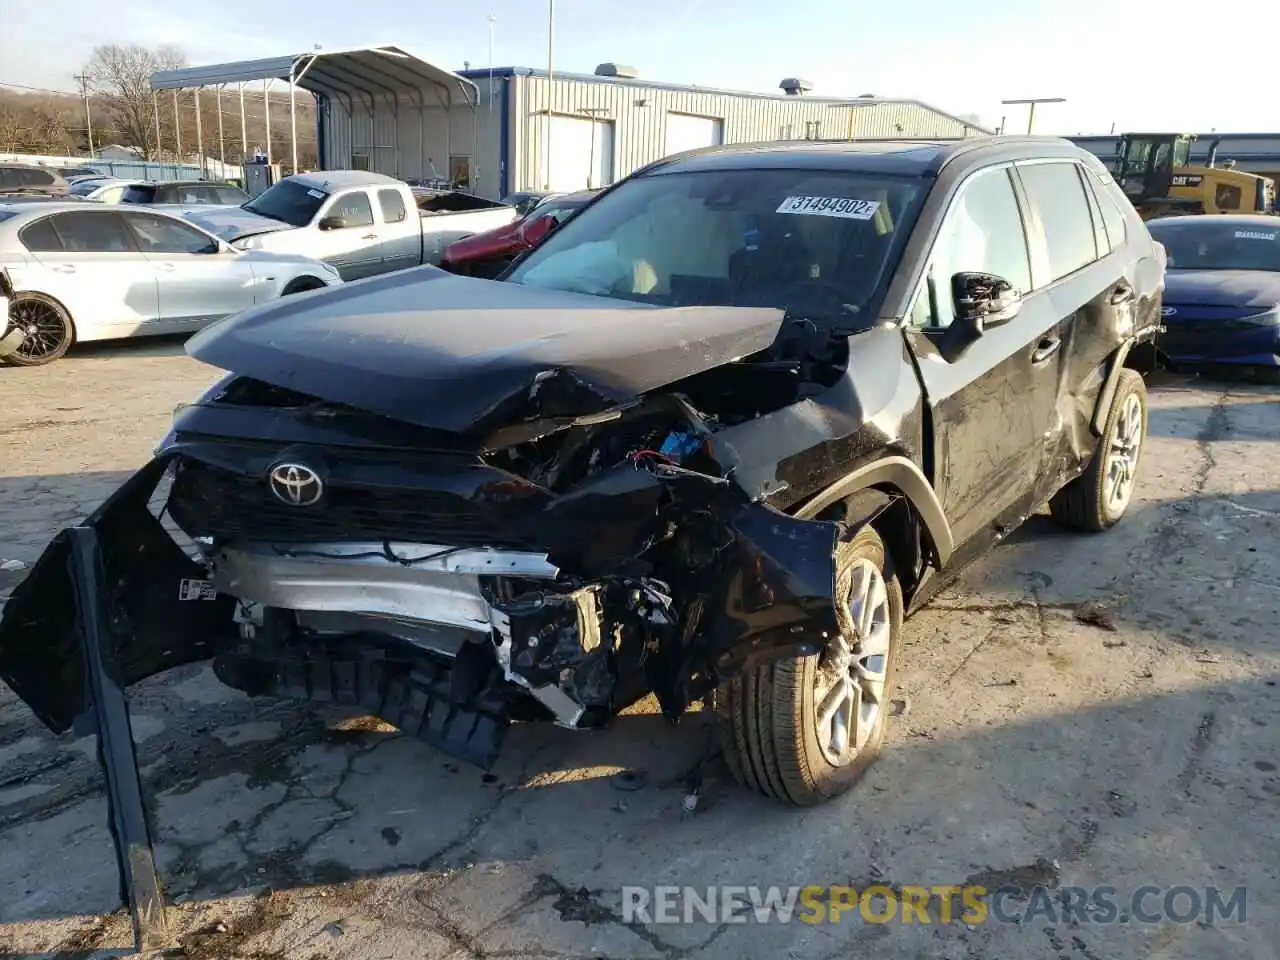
(764, 587)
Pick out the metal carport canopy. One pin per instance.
(373, 71)
(365, 73)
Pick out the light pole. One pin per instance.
(1031, 102)
(492, 21)
(551, 82)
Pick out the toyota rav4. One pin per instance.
(713, 439)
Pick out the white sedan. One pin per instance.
(81, 272)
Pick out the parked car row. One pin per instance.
(82, 272)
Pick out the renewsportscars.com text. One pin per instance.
(971, 904)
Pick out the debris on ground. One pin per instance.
(1094, 616)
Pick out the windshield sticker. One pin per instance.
(830, 207)
(1254, 235)
(315, 193)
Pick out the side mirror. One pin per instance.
(983, 301)
(332, 223)
(535, 231)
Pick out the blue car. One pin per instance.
(1222, 291)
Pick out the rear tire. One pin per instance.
(50, 331)
(1098, 498)
(773, 737)
(302, 285)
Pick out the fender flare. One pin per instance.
(906, 477)
(1106, 395)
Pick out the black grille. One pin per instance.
(207, 501)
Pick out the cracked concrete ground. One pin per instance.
(1078, 709)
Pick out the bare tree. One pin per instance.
(120, 77)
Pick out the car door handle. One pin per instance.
(370, 236)
(1045, 349)
(1120, 295)
(64, 268)
(166, 267)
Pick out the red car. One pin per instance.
(487, 254)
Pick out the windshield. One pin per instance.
(289, 202)
(1209, 245)
(813, 242)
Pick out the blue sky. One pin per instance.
(962, 57)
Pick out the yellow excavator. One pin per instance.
(1155, 172)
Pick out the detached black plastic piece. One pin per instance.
(135, 857)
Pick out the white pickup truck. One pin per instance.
(362, 223)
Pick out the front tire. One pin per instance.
(1098, 498)
(805, 729)
(48, 328)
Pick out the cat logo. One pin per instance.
(1183, 180)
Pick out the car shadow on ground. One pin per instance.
(168, 345)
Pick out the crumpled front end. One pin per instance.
(338, 557)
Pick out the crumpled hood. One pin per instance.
(231, 223)
(1222, 288)
(453, 353)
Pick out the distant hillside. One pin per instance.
(50, 123)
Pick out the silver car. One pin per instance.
(87, 272)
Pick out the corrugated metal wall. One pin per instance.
(404, 139)
(638, 113)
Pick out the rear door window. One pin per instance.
(1058, 202)
(392, 206)
(1113, 217)
(40, 237)
(92, 232)
(9, 178)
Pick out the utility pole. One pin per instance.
(1031, 102)
(88, 115)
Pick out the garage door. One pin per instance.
(687, 132)
(581, 153)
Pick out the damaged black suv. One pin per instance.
(713, 439)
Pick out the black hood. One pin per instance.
(454, 353)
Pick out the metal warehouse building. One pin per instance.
(508, 129)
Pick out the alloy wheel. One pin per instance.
(850, 682)
(1122, 455)
(44, 328)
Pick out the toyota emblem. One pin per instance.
(294, 484)
(1168, 311)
